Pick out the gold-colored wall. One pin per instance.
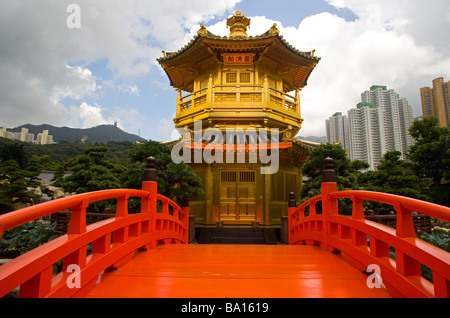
(271, 193)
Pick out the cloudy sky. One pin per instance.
(102, 68)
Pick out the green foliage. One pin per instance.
(396, 176)
(430, 153)
(26, 237)
(118, 151)
(59, 175)
(348, 173)
(13, 150)
(91, 172)
(439, 238)
(431, 156)
(142, 151)
(14, 183)
(175, 181)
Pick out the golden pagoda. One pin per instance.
(247, 84)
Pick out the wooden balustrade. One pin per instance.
(365, 243)
(220, 94)
(113, 241)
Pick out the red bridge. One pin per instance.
(148, 254)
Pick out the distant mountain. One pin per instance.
(101, 134)
(319, 140)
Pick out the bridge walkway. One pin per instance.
(235, 271)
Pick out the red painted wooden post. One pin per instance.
(329, 206)
(76, 258)
(38, 286)
(312, 209)
(292, 207)
(102, 245)
(121, 235)
(441, 286)
(407, 265)
(405, 224)
(378, 248)
(122, 206)
(151, 185)
(77, 223)
(357, 210)
(185, 219)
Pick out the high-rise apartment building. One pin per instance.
(406, 119)
(386, 101)
(44, 138)
(364, 130)
(436, 101)
(337, 130)
(41, 139)
(379, 124)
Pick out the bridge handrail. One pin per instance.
(365, 243)
(114, 240)
(28, 214)
(407, 204)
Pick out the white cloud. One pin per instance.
(126, 118)
(86, 116)
(37, 47)
(78, 84)
(385, 45)
(130, 89)
(391, 43)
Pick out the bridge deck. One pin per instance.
(235, 271)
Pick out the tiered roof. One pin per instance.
(269, 48)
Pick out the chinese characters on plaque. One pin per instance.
(238, 59)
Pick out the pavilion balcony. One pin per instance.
(238, 101)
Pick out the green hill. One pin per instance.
(100, 134)
(320, 140)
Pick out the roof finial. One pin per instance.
(238, 24)
(273, 30)
(202, 31)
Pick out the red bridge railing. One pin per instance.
(366, 244)
(114, 240)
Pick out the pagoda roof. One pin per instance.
(305, 144)
(295, 66)
(232, 39)
(297, 142)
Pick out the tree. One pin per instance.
(14, 183)
(14, 150)
(395, 176)
(431, 151)
(91, 172)
(175, 181)
(348, 173)
(431, 156)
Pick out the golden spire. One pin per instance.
(238, 24)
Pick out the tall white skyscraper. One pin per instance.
(386, 102)
(379, 124)
(364, 127)
(406, 119)
(338, 131)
